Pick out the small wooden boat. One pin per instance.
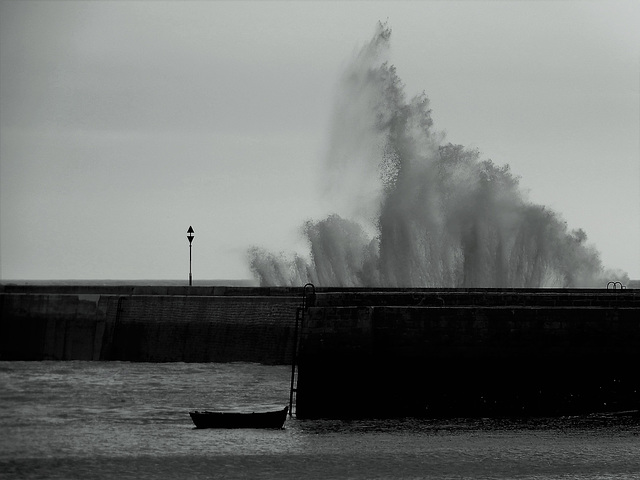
(239, 420)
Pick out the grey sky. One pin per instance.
(122, 123)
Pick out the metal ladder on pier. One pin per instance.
(296, 344)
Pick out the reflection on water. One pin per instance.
(130, 420)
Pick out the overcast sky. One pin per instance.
(123, 123)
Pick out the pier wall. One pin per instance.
(470, 353)
(153, 324)
(380, 353)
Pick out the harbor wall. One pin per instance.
(152, 324)
(363, 352)
(475, 353)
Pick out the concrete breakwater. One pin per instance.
(466, 352)
(153, 324)
(363, 352)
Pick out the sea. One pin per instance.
(108, 420)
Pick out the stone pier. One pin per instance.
(451, 353)
(149, 324)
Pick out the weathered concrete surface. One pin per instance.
(156, 324)
(61, 327)
(204, 329)
(469, 353)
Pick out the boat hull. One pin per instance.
(239, 420)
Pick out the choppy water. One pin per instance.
(130, 420)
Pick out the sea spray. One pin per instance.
(414, 211)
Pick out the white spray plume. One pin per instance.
(414, 211)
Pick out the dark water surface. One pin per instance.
(130, 420)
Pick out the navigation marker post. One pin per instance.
(190, 236)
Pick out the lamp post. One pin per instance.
(190, 236)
